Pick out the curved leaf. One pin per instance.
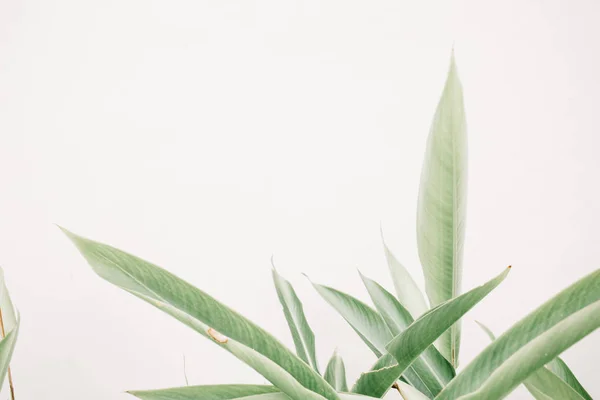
(10, 331)
(408, 345)
(335, 373)
(407, 291)
(554, 381)
(433, 370)
(202, 312)
(441, 211)
(363, 319)
(304, 338)
(530, 344)
(370, 326)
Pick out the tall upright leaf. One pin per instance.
(335, 373)
(407, 291)
(442, 204)
(304, 338)
(190, 305)
(530, 344)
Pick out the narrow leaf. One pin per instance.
(363, 319)
(9, 324)
(304, 338)
(335, 373)
(432, 369)
(237, 334)
(408, 345)
(234, 392)
(370, 327)
(560, 369)
(209, 392)
(530, 344)
(554, 381)
(441, 211)
(407, 291)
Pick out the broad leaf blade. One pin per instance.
(202, 312)
(441, 211)
(335, 373)
(408, 345)
(530, 344)
(304, 338)
(432, 369)
(407, 291)
(544, 384)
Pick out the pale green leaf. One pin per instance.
(370, 327)
(335, 373)
(304, 338)
(530, 344)
(367, 323)
(230, 330)
(209, 392)
(441, 210)
(408, 345)
(560, 369)
(407, 291)
(239, 392)
(9, 315)
(10, 329)
(554, 381)
(543, 384)
(431, 368)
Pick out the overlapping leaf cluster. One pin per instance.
(415, 340)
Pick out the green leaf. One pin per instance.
(369, 326)
(234, 392)
(212, 319)
(367, 323)
(432, 369)
(408, 345)
(560, 369)
(407, 291)
(530, 344)
(209, 392)
(9, 315)
(335, 373)
(304, 338)
(441, 210)
(554, 381)
(10, 329)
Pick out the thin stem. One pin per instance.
(10, 381)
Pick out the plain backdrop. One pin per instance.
(206, 136)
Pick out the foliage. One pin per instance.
(417, 346)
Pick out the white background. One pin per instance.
(207, 135)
